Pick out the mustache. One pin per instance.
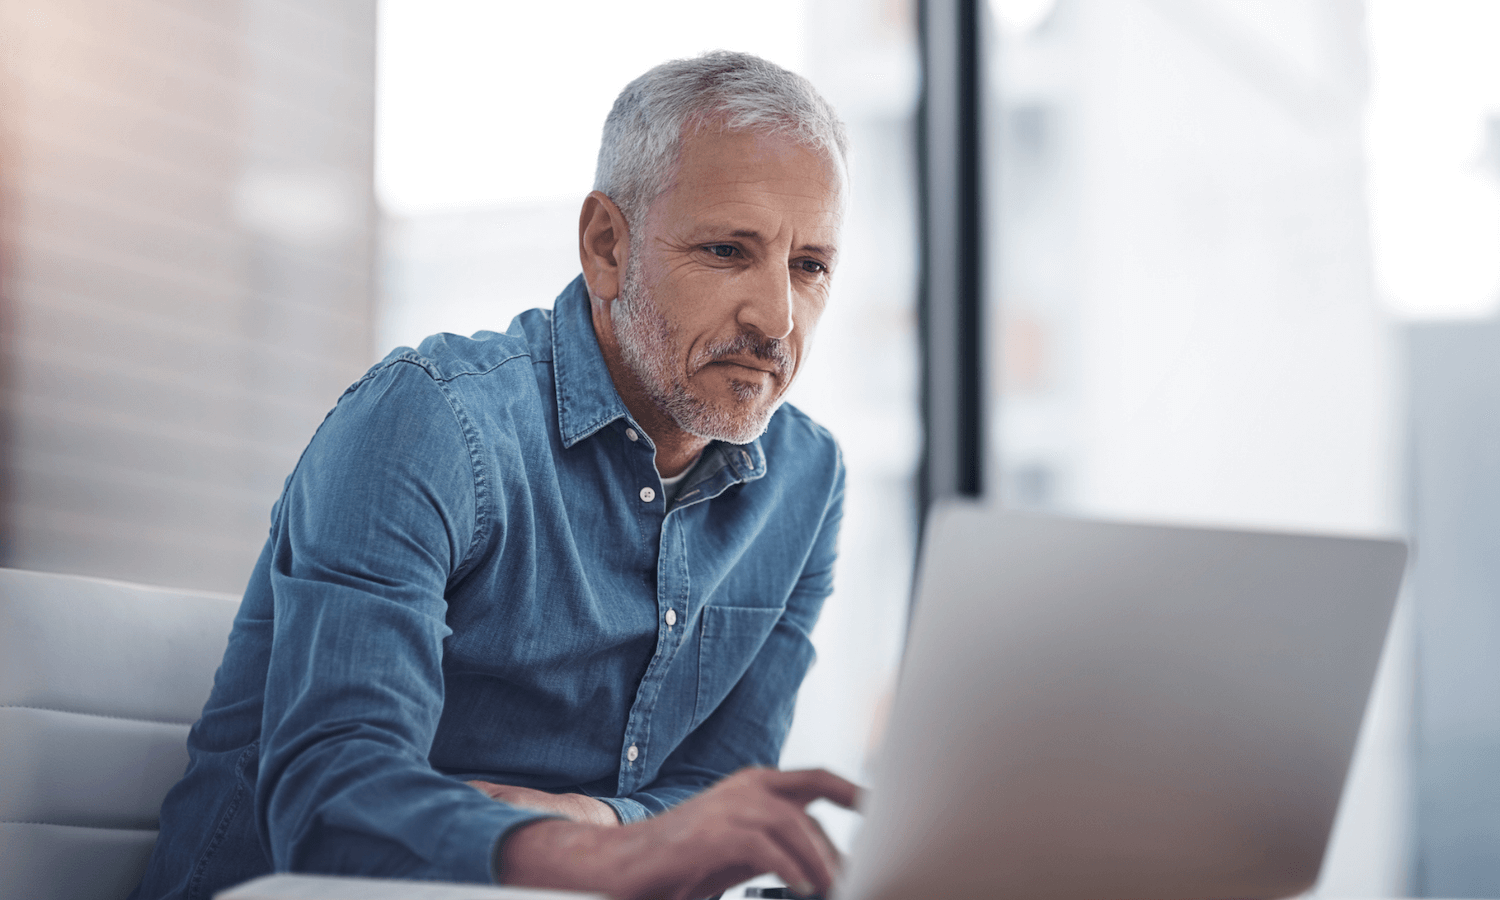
(765, 349)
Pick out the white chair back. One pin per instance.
(99, 681)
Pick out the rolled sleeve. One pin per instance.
(627, 810)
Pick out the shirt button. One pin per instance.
(630, 433)
(632, 753)
(647, 495)
(671, 617)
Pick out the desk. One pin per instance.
(316, 887)
(320, 887)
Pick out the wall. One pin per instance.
(186, 229)
(1455, 580)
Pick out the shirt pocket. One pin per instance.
(729, 640)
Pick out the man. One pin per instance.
(524, 589)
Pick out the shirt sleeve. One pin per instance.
(383, 510)
(750, 726)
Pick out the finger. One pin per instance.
(803, 875)
(731, 857)
(803, 839)
(715, 883)
(806, 785)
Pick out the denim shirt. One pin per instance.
(472, 573)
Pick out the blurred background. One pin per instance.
(1242, 259)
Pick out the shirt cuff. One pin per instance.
(627, 810)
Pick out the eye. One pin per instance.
(722, 251)
(812, 267)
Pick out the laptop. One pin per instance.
(1098, 710)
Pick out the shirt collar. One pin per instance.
(586, 396)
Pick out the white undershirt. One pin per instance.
(669, 486)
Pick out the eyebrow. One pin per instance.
(819, 249)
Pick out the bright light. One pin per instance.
(1434, 145)
(1020, 16)
(468, 109)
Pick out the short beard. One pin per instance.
(650, 350)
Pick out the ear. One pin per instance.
(603, 246)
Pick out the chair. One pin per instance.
(99, 681)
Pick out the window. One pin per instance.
(489, 124)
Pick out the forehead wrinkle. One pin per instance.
(813, 189)
(764, 206)
(759, 215)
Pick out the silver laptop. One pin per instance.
(1103, 711)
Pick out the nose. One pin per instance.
(767, 305)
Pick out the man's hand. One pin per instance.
(750, 823)
(578, 807)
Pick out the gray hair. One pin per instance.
(644, 132)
